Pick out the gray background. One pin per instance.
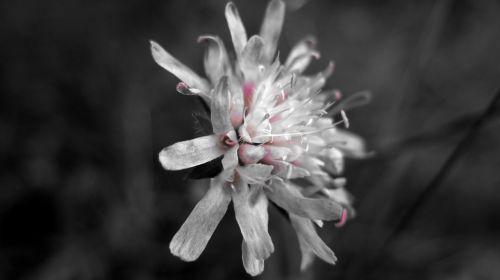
(84, 111)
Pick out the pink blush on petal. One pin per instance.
(343, 219)
(275, 118)
(282, 97)
(227, 142)
(236, 119)
(248, 91)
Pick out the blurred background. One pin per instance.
(84, 111)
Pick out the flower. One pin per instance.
(277, 138)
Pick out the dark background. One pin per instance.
(84, 111)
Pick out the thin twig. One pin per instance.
(427, 40)
(445, 168)
(433, 185)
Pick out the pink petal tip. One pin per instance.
(343, 219)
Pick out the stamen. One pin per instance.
(293, 80)
(337, 123)
(344, 118)
(352, 101)
(289, 172)
(266, 116)
(297, 133)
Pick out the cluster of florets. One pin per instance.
(276, 134)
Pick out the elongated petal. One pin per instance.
(216, 60)
(334, 161)
(307, 85)
(183, 88)
(252, 58)
(301, 55)
(340, 195)
(174, 66)
(271, 27)
(250, 153)
(350, 144)
(185, 154)
(306, 253)
(253, 51)
(307, 234)
(300, 48)
(255, 173)
(230, 160)
(293, 172)
(219, 109)
(253, 265)
(313, 208)
(344, 198)
(251, 215)
(237, 101)
(236, 28)
(191, 239)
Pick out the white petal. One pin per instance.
(319, 80)
(343, 197)
(174, 66)
(216, 61)
(301, 55)
(253, 266)
(237, 101)
(253, 51)
(289, 171)
(292, 201)
(183, 88)
(334, 161)
(185, 154)
(278, 152)
(236, 28)
(191, 239)
(306, 231)
(249, 154)
(252, 58)
(306, 252)
(251, 214)
(230, 160)
(350, 144)
(219, 108)
(255, 173)
(340, 195)
(271, 27)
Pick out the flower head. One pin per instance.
(272, 126)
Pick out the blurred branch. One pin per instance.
(446, 167)
(433, 185)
